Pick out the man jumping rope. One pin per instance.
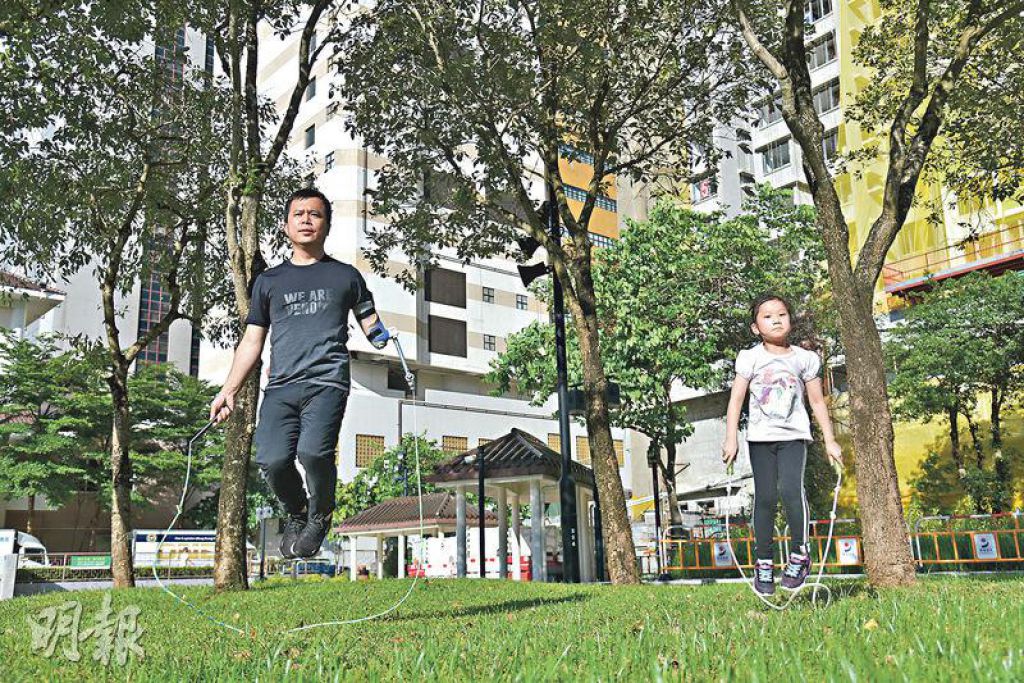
(305, 301)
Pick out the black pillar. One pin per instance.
(480, 510)
(566, 485)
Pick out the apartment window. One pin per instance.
(310, 136)
(600, 241)
(208, 62)
(570, 153)
(815, 10)
(704, 189)
(453, 445)
(580, 195)
(827, 97)
(830, 143)
(822, 52)
(555, 442)
(489, 342)
(521, 302)
(193, 353)
(776, 156)
(312, 44)
(488, 295)
(154, 304)
(332, 108)
(369, 447)
(446, 287)
(583, 450)
(447, 336)
(770, 111)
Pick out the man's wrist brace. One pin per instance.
(377, 334)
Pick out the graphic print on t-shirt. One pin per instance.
(775, 390)
(307, 303)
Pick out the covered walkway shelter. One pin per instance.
(518, 467)
(400, 518)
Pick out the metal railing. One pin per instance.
(948, 546)
(64, 567)
(986, 247)
(960, 543)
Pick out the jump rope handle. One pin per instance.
(410, 378)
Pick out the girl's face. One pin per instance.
(773, 323)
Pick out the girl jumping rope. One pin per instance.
(777, 376)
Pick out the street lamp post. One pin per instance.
(566, 485)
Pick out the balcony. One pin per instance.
(996, 252)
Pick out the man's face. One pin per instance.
(307, 221)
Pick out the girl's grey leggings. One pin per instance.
(778, 467)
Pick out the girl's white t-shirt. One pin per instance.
(777, 411)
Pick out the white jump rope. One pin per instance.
(816, 585)
(411, 381)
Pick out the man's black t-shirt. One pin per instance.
(306, 308)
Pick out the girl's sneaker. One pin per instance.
(796, 571)
(764, 577)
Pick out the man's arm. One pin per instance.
(246, 356)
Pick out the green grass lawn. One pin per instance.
(959, 629)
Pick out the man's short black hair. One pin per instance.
(308, 193)
(765, 298)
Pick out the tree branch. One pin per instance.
(284, 129)
(906, 166)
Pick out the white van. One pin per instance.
(30, 551)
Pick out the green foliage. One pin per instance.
(56, 424)
(982, 148)
(41, 388)
(387, 475)
(629, 85)
(115, 166)
(673, 297)
(961, 340)
(168, 407)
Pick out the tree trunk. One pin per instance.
(669, 477)
(954, 439)
(979, 449)
(30, 523)
(1002, 467)
(886, 542)
(887, 555)
(620, 554)
(121, 478)
(230, 571)
(997, 418)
